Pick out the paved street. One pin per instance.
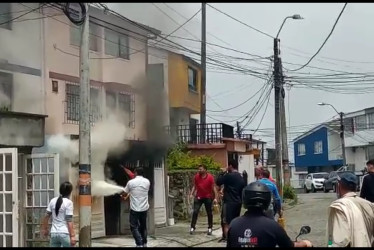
(311, 210)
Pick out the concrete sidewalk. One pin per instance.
(172, 236)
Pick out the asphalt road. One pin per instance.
(311, 210)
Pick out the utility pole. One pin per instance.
(277, 109)
(238, 130)
(203, 72)
(285, 162)
(341, 114)
(85, 199)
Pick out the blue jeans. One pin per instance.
(60, 240)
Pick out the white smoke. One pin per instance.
(108, 135)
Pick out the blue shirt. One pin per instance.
(274, 190)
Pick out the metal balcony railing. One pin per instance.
(201, 133)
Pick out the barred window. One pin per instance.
(126, 106)
(124, 103)
(72, 103)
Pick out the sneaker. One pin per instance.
(210, 231)
(222, 240)
(192, 230)
(139, 246)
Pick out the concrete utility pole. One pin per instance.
(285, 162)
(203, 72)
(342, 140)
(281, 147)
(85, 199)
(341, 115)
(238, 130)
(277, 109)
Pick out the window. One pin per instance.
(318, 147)
(6, 15)
(111, 102)
(371, 120)
(360, 122)
(72, 103)
(370, 152)
(75, 36)
(192, 79)
(116, 44)
(55, 86)
(41, 180)
(126, 106)
(6, 91)
(301, 149)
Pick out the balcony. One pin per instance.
(193, 133)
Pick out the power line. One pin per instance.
(253, 28)
(180, 26)
(219, 39)
(15, 18)
(327, 38)
(226, 48)
(240, 104)
(329, 58)
(262, 118)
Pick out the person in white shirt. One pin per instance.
(61, 210)
(350, 218)
(138, 189)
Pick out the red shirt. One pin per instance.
(204, 186)
(271, 179)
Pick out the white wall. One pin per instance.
(246, 162)
(156, 56)
(334, 146)
(22, 45)
(180, 116)
(356, 157)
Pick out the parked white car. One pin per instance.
(314, 182)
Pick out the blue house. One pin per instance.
(318, 150)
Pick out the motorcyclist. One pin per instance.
(254, 228)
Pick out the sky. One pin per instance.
(349, 49)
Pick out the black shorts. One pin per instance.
(229, 212)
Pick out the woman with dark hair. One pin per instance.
(61, 209)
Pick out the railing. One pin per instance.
(192, 134)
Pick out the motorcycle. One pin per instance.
(304, 230)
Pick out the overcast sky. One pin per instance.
(352, 40)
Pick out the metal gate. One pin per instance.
(159, 192)
(42, 183)
(8, 198)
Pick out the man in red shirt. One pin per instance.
(202, 192)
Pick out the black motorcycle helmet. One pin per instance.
(256, 195)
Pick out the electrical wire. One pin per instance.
(15, 18)
(262, 118)
(178, 13)
(323, 44)
(233, 18)
(179, 27)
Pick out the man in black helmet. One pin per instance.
(254, 228)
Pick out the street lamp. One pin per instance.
(341, 114)
(295, 17)
(278, 103)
